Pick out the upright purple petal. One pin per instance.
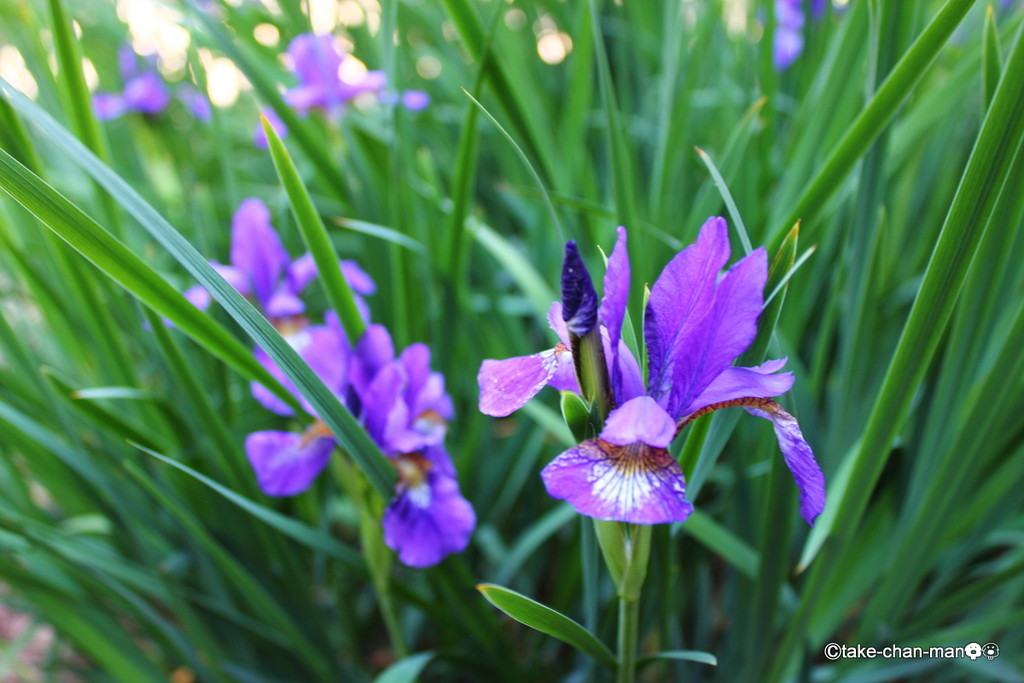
(506, 385)
(640, 419)
(256, 248)
(300, 273)
(638, 483)
(428, 519)
(385, 414)
(681, 298)
(287, 463)
(315, 59)
(373, 351)
(726, 332)
(147, 93)
(197, 102)
(327, 354)
(425, 392)
(799, 458)
(557, 323)
(616, 290)
(579, 300)
(127, 62)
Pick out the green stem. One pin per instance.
(629, 621)
(387, 610)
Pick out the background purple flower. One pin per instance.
(316, 62)
(144, 90)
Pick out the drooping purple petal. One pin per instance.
(640, 419)
(636, 483)
(425, 522)
(579, 300)
(799, 458)
(735, 382)
(286, 463)
(681, 298)
(506, 385)
(256, 248)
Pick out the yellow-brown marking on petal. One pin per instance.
(765, 404)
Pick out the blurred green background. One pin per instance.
(894, 138)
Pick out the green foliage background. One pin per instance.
(130, 520)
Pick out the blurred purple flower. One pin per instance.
(316, 62)
(789, 28)
(695, 326)
(197, 102)
(404, 408)
(144, 90)
(261, 268)
(259, 136)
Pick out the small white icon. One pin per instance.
(990, 650)
(972, 650)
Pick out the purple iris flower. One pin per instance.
(197, 102)
(144, 90)
(261, 268)
(695, 326)
(316, 62)
(789, 27)
(404, 407)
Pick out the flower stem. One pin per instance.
(387, 610)
(629, 618)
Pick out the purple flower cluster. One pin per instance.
(318, 64)
(399, 400)
(145, 92)
(789, 27)
(696, 324)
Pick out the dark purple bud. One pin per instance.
(579, 300)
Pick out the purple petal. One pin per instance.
(287, 463)
(557, 323)
(415, 100)
(373, 351)
(630, 382)
(315, 59)
(147, 93)
(636, 483)
(108, 105)
(198, 297)
(733, 382)
(127, 62)
(425, 391)
(579, 300)
(799, 458)
(788, 44)
(427, 522)
(357, 278)
(506, 385)
(326, 353)
(304, 97)
(256, 249)
(681, 298)
(385, 413)
(234, 277)
(640, 419)
(196, 101)
(300, 273)
(283, 304)
(616, 289)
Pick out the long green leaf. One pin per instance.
(546, 620)
(877, 114)
(341, 422)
